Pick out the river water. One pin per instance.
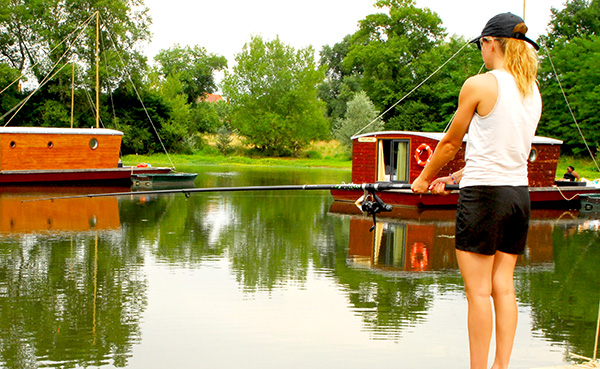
(268, 280)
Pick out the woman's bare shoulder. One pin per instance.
(480, 83)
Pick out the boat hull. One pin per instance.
(145, 181)
(541, 197)
(116, 176)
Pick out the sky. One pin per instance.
(223, 27)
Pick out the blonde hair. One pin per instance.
(520, 60)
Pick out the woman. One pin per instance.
(500, 110)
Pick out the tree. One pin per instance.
(38, 34)
(340, 84)
(579, 18)
(574, 47)
(360, 113)
(576, 63)
(273, 95)
(193, 66)
(386, 49)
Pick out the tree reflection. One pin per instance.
(75, 300)
(564, 299)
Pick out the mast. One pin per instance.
(72, 89)
(97, 70)
(524, 10)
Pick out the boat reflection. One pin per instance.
(423, 240)
(20, 215)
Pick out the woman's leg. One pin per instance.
(476, 270)
(505, 306)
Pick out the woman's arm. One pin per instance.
(468, 101)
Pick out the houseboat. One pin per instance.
(399, 157)
(31, 155)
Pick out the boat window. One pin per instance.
(390, 245)
(93, 144)
(393, 160)
(50, 144)
(13, 144)
(533, 154)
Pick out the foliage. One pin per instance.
(390, 55)
(33, 33)
(11, 96)
(273, 96)
(579, 18)
(193, 66)
(360, 113)
(207, 116)
(576, 63)
(140, 131)
(339, 85)
(224, 140)
(386, 48)
(575, 55)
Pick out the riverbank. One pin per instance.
(183, 160)
(585, 167)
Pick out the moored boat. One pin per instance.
(399, 157)
(163, 180)
(64, 155)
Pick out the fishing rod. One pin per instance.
(368, 187)
(369, 202)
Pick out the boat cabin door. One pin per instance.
(393, 161)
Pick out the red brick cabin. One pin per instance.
(399, 156)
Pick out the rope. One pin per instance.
(86, 22)
(563, 195)
(411, 91)
(140, 99)
(46, 78)
(569, 106)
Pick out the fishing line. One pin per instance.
(413, 90)
(569, 105)
(456, 111)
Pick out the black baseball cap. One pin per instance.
(503, 25)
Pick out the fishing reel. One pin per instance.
(371, 204)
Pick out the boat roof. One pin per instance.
(60, 131)
(438, 136)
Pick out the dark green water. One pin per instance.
(267, 280)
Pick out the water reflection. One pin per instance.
(66, 297)
(557, 277)
(19, 215)
(253, 271)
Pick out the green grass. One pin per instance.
(322, 154)
(585, 167)
(204, 159)
(328, 154)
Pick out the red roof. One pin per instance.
(212, 98)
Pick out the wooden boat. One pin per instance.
(399, 157)
(64, 155)
(163, 180)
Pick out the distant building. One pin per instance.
(211, 98)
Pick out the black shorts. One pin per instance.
(493, 218)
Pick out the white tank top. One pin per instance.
(499, 143)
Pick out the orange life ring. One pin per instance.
(419, 257)
(423, 147)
